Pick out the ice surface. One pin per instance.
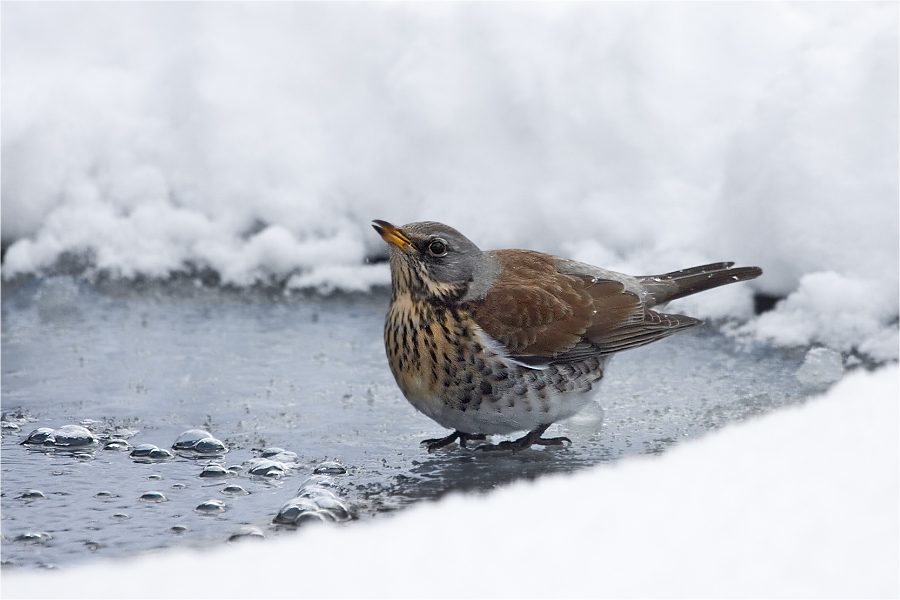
(253, 143)
(773, 507)
(292, 387)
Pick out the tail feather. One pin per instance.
(678, 284)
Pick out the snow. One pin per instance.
(260, 139)
(802, 502)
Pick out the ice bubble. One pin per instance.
(199, 442)
(34, 537)
(210, 445)
(297, 511)
(319, 481)
(153, 497)
(150, 453)
(211, 507)
(64, 437)
(32, 495)
(313, 503)
(234, 490)
(270, 452)
(334, 506)
(263, 467)
(190, 437)
(214, 471)
(280, 454)
(247, 532)
(821, 368)
(41, 435)
(330, 467)
(315, 493)
(117, 446)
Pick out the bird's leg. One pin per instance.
(529, 439)
(456, 435)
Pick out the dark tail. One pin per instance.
(678, 284)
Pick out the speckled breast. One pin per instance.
(451, 371)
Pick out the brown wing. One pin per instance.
(541, 315)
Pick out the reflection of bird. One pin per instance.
(511, 340)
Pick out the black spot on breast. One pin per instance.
(486, 388)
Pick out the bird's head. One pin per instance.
(433, 261)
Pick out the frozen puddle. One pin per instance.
(142, 418)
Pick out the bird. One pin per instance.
(503, 341)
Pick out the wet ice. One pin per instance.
(286, 416)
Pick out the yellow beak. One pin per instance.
(391, 234)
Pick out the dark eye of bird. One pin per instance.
(437, 248)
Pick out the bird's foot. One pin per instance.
(456, 435)
(529, 439)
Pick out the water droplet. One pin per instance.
(178, 486)
(32, 495)
(298, 510)
(214, 471)
(210, 446)
(92, 546)
(104, 495)
(120, 516)
(117, 446)
(322, 481)
(41, 435)
(199, 442)
(247, 532)
(263, 467)
(280, 455)
(330, 467)
(190, 437)
(34, 537)
(211, 507)
(154, 477)
(234, 490)
(73, 435)
(178, 529)
(146, 453)
(153, 497)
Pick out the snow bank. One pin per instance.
(260, 139)
(798, 503)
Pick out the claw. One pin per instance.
(436, 443)
(529, 439)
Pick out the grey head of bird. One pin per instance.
(433, 261)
